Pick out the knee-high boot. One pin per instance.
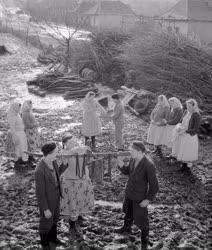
(44, 241)
(53, 235)
(144, 238)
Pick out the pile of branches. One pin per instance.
(70, 86)
(99, 52)
(170, 64)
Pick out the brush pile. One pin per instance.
(172, 65)
(58, 83)
(98, 53)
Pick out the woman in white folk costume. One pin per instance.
(91, 124)
(174, 117)
(185, 139)
(31, 127)
(77, 189)
(17, 134)
(159, 118)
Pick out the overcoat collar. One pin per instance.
(47, 172)
(140, 165)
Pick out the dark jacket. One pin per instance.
(194, 124)
(142, 183)
(175, 116)
(48, 191)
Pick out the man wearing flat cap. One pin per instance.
(140, 190)
(48, 192)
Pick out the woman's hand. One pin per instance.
(47, 214)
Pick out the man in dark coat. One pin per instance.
(48, 192)
(141, 188)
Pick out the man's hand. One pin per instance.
(47, 214)
(144, 203)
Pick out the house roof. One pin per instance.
(196, 10)
(105, 8)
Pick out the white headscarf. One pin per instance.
(27, 106)
(88, 102)
(176, 101)
(194, 103)
(13, 109)
(165, 102)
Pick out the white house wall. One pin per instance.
(112, 22)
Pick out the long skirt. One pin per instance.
(78, 197)
(9, 145)
(19, 149)
(91, 124)
(33, 139)
(185, 148)
(155, 135)
(168, 134)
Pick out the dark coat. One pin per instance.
(175, 116)
(142, 183)
(47, 190)
(194, 124)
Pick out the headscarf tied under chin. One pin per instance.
(13, 109)
(164, 101)
(27, 106)
(88, 101)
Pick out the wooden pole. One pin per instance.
(104, 154)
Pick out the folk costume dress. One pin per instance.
(175, 116)
(157, 127)
(185, 143)
(31, 128)
(16, 142)
(77, 189)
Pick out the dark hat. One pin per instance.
(139, 146)
(48, 148)
(66, 137)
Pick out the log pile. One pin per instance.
(58, 83)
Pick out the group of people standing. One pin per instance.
(175, 128)
(66, 189)
(62, 190)
(91, 124)
(23, 133)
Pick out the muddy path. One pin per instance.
(179, 217)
